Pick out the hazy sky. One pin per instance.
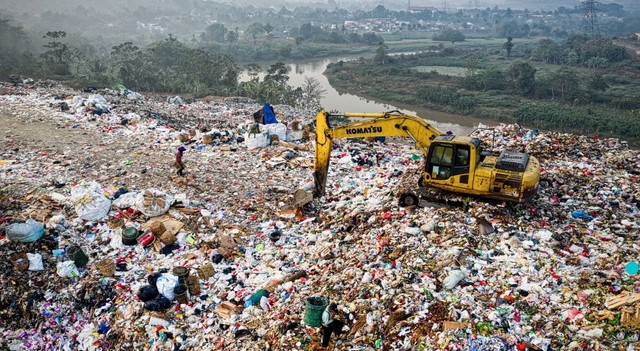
(439, 4)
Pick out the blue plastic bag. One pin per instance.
(581, 215)
(27, 232)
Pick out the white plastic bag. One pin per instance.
(89, 201)
(35, 262)
(67, 269)
(453, 279)
(165, 285)
(126, 200)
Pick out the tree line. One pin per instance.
(166, 66)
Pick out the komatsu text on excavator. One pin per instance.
(453, 163)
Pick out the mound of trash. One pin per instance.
(108, 248)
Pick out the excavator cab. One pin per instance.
(449, 160)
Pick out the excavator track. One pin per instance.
(411, 192)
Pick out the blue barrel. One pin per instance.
(313, 311)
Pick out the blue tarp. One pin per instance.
(269, 114)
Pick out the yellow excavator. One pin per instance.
(453, 163)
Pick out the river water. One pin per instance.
(333, 100)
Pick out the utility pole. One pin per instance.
(589, 25)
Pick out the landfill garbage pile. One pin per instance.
(107, 248)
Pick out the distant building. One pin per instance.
(422, 9)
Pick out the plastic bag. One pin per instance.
(147, 293)
(35, 262)
(578, 214)
(67, 269)
(165, 285)
(453, 279)
(152, 278)
(89, 201)
(160, 303)
(27, 232)
(126, 200)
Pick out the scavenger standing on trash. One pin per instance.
(330, 325)
(179, 164)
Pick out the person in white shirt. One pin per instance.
(329, 324)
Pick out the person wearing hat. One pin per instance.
(179, 164)
(329, 324)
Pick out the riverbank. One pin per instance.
(401, 83)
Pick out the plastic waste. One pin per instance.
(35, 262)
(581, 215)
(27, 232)
(89, 201)
(126, 200)
(147, 292)
(453, 279)
(67, 269)
(165, 284)
(152, 278)
(160, 303)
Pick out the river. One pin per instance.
(333, 100)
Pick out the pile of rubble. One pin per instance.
(108, 249)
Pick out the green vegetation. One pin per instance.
(578, 85)
(444, 70)
(209, 66)
(449, 34)
(510, 65)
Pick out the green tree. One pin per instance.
(449, 34)
(471, 72)
(312, 93)
(547, 51)
(382, 56)
(254, 30)
(13, 46)
(491, 79)
(521, 75)
(508, 45)
(564, 83)
(597, 83)
(268, 29)
(253, 71)
(129, 66)
(371, 38)
(512, 29)
(215, 32)
(278, 74)
(596, 62)
(58, 54)
(232, 36)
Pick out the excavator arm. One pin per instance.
(385, 124)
